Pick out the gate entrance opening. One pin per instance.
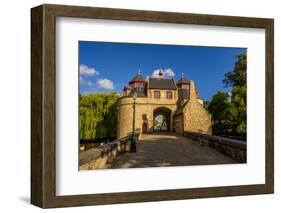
(161, 119)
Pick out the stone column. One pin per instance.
(171, 122)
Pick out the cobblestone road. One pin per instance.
(167, 149)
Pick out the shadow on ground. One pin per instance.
(25, 199)
(167, 149)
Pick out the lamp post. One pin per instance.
(133, 136)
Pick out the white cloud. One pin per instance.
(85, 82)
(90, 84)
(82, 81)
(167, 73)
(155, 73)
(105, 84)
(85, 70)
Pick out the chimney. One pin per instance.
(192, 91)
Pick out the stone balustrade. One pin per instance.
(97, 158)
(235, 149)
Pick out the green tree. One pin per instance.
(229, 112)
(98, 116)
(237, 80)
(219, 107)
(238, 76)
(206, 104)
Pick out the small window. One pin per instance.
(138, 84)
(185, 86)
(169, 95)
(144, 117)
(157, 94)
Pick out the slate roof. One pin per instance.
(138, 77)
(161, 83)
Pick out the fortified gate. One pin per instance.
(161, 104)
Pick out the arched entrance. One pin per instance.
(161, 119)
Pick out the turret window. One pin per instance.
(185, 86)
(138, 84)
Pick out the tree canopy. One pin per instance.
(229, 111)
(98, 116)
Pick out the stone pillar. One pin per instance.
(150, 119)
(171, 121)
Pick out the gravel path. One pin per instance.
(167, 149)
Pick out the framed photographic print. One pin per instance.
(137, 106)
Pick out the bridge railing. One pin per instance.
(235, 149)
(97, 158)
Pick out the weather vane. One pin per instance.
(139, 71)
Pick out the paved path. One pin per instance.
(167, 149)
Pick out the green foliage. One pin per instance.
(98, 116)
(238, 76)
(206, 104)
(238, 79)
(219, 106)
(229, 112)
(155, 122)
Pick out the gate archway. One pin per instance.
(162, 119)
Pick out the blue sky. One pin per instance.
(107, 67)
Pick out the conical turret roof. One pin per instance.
(138, 77)
(182, 80)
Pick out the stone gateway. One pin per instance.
(177, 104)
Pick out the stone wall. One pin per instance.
(143, 106)
(234, 149)
(125, 120)
(178, 125)
(196, 118)
(150, 93)
(97, 158)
